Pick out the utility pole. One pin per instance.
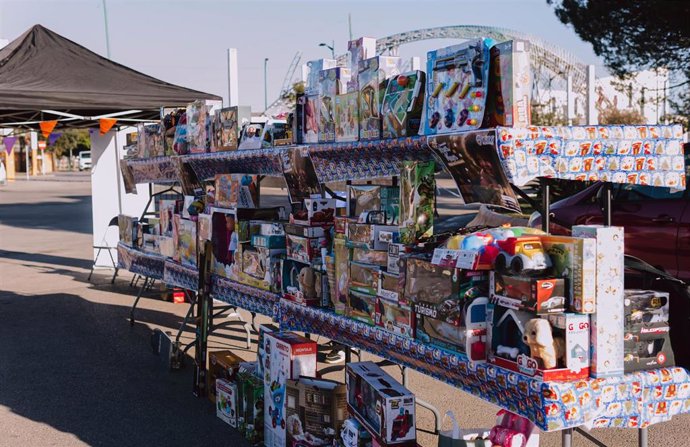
(265, 84)
(349, 24)
(107, 35)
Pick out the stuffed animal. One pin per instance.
(542, 344)
(306, 282)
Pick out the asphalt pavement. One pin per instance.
(73, 372)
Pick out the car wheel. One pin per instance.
(517, 265)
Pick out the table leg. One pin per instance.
(567, 437)
(136, 301)
(643, 437)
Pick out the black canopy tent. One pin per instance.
(44, 76)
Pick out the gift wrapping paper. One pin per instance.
(250, 161)
(249, 298)
(145, 264)
(154, 170)
(183, 276)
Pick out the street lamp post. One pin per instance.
(265, 84)
(330, 47)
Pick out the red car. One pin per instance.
(656, 221)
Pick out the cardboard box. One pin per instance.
(373, 257)
(644, 308)
(316, 212)
(260, 353)
(649, 349)
(127, 227)
(394, 258)
(365, 198)
(508, 350)
(250, 408)
(395, 317)
(312, 117)
(226, 402)
(221, 365)
(289, 356)
(303, 249)
(185, 250)
(608, 320)
(362, 307)
(346, 121)
(456, 325)
(364, 278)
(353, 434)
(271, 242)
(417, 195)
(304, 284)
(261, 267)
(457, 85)
(391, 287)
(368, 235)
(381, 404)
(575, 260)
(426, 282)
(306, 231)
(403, 104)
(357, 51)
(373, 73)
(311, 72)
(340, 225)
(339, 297)
(510, 85)
(333, 82)
(316, 409)
(236, 190)
(226, 127)
(540, 295)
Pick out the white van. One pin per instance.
(84, 160)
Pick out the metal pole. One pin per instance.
(265, 84)
(591, 100)
(571, 100)
(107, 35)
(607, 204)
(643, 438)
(545, 204)
(118, 174)
(567, 437)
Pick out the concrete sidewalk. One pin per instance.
(73, 371)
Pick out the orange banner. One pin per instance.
(47, 127)
(106, 124)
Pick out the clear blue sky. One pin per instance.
(185, 42)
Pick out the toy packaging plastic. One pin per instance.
(185, 250)
(510, 85)
(417, 192)
(221, 365)
(457, 85)
(339, 297)
(608, 321)
(647, 343)
(250, 403)
(333, 82)
(381, 404)
(402, 105)
(226, 402)
(574, 259)
(366, 198)
(197, 115)
(304, 284)
(226, 127)
(261, 267)
(361, 307)
(311, 72)
(540, 295)
(346, 121)
(303, 249)
(288, 356)
(395, 317)
(236, 190)
(357, 51)
(373, 73)
(316, 409)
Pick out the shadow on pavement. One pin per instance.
(73, 215)
(47, 259)
(79, 367)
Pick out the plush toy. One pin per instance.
(542, 344)
(306, 282)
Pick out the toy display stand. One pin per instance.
(603, 153)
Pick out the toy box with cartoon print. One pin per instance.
(395, 317)
(357, 51)
(374, 257)
(346, 122)
(540, 295)
(304, 284)
(381, 404)
(553, 347)
(226, 402)
(288, 356)
(373, 73)
(426, 282)
(608, 320)
(365, 198)
(261, 267)
(574, 259)
(221, 365)
(316, 409)
(304, 249)
(457, 81)
(333, 82)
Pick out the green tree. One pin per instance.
(613, 115)
(76, 140)
(636, 35)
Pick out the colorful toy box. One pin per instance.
(339, 297)
(316, 212)
(574, 259)
(608, 320)
(236, 190)
(381, 404)
(353, 434)
(540, 295)
(365, 198)
(197, 137)
(289, 356)
(402, 105)
(373, 73)
(395, 317)
(417, 195)
(391, 287)
(127, 227)
(647, 344)
(357, 51)
(226, 127)
(316, 409)
(304, 284)
(394, 261)
(369, 236)
(185, 250)
(260, 353)
(333, 82)
(305, 231)
(272, 241)
(304, 249)
(250, 403)
(508, 348)
(374, 257)
(510, 85)
(221, 365)
(311, 72)
(261, 267)
(312, 117)
(429, 283)
(364, 278)
(361, 307)
(346, 121)
(226, 402)
(457, 85)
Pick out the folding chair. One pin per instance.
(108, 245)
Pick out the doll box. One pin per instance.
(540, 295)
(346, 121)
(261, 267)
(304, 284)
(381, 404)
(333, 82)
(339, 296)
(288, 356)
